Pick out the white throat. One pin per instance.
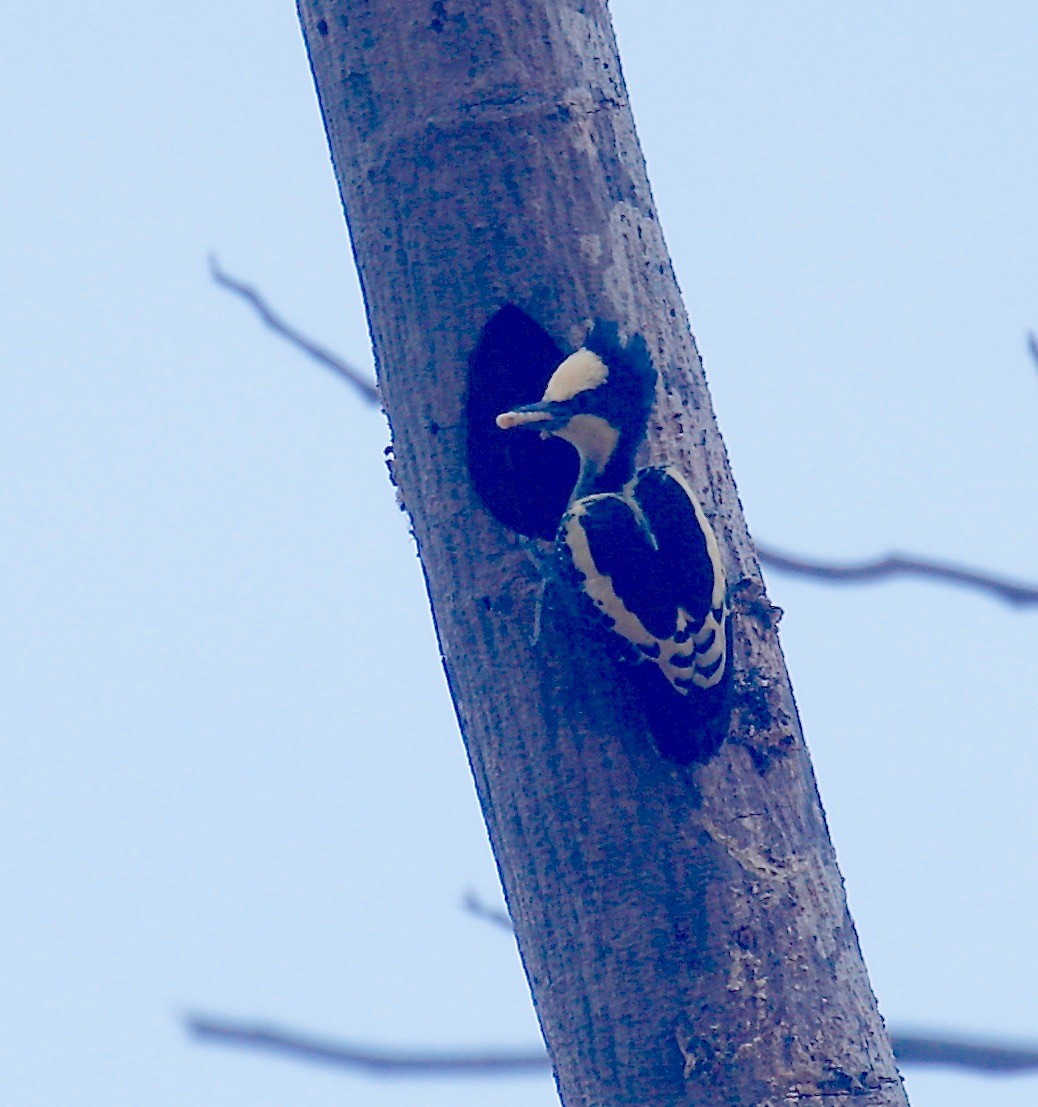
(595, 440)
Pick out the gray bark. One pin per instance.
(684, 930)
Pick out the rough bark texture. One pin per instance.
(684, 930)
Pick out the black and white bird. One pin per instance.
(638, 542)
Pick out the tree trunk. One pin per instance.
(684, 929)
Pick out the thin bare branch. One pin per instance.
(378, 1062)
(964, 1053)
(1017, 593)
(475, 906)
(1032, 345)
(340, 368)
(993, 1058)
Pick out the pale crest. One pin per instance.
(579, 372)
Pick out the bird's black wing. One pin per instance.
(688, 563)
(647, 559)
(615, 555)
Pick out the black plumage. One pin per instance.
(637, 543)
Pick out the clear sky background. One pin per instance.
(220, 791)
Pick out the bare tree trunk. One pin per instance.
(684, 930)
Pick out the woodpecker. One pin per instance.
(637, 542)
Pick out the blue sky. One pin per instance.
(220, 792)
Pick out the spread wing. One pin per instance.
(649, 562)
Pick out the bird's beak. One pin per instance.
(536, 416)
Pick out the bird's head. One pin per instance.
(598, 400)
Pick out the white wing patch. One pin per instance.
(579, 372)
